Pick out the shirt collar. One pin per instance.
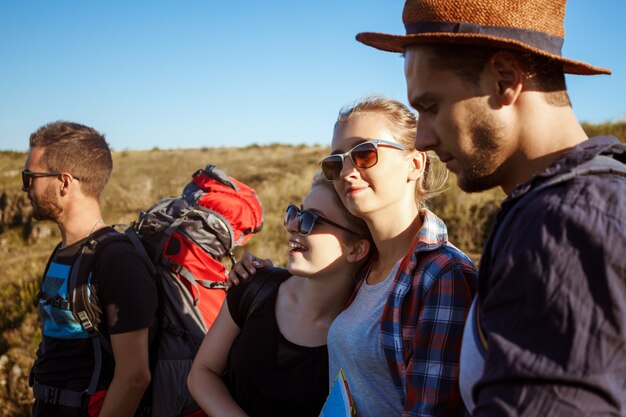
(432, 234)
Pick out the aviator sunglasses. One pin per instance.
(364, 155)
(27, 177)
(307, 220)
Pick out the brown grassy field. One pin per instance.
(281, 174)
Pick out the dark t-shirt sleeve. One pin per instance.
(234, 298)
(126, 289)
(236, 294)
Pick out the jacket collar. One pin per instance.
(583, 152)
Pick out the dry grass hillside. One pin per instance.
(281, 174)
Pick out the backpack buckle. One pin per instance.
(84, 321)
(174, 267)
(91, 244)
(51, 395)
(60, 302)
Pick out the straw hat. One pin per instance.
(525, 25)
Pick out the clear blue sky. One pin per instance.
(190, 73)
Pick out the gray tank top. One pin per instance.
(472, 359)
(354, 345)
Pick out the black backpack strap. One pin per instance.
(599, 165)
(134, 238)
(89, 314)
(45, 271)
(84, 311)
(259, 289)
(40, 297)
(58, 396)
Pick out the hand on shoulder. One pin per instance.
(246, 268)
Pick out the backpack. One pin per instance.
(182, 240)
(190, 235)
(186, 238)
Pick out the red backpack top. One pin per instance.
(234, 200)
(190, 234)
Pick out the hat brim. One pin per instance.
(399, 43)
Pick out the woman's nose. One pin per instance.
(347, 167)
(292, 224)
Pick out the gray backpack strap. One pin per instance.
(599, 165)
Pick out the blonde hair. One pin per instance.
(356, 224)
(403, 125)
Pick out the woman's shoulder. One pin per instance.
(445, 256)
(263, 276)
(248, 294)
(444, 262)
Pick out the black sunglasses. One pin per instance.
(27, 177)
(364, 155)
(307, 220)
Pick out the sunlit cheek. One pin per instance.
(456, 119)
(325, 250)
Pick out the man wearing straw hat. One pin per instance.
(546, 335)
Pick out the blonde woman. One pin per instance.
(400, 338)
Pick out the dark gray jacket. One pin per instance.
(552, 297)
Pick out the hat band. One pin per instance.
(540, 40)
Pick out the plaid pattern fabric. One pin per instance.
(423, 320)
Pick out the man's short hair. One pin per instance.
(78, 150)
(468, 61)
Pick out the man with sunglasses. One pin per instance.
(546, 335)
(74, 374)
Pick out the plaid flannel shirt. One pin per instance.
(423, 320)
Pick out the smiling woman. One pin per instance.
(266, 355)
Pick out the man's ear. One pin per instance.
(67, 183)
(357, 251)
(504, 77)
(417, 165)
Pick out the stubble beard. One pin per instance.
(46, 207)
(487, 149)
